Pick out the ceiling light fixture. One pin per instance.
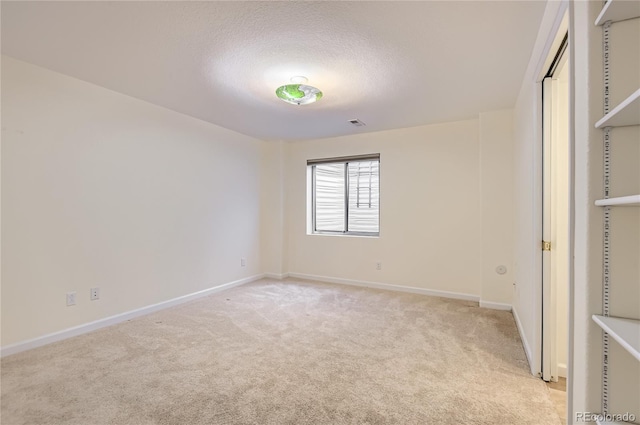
(298, 93)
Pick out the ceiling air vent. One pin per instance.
(357, 123)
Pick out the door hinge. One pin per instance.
(546, 246)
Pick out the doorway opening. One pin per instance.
(555, 217)
(556, 227)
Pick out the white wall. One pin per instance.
(526, 239)
(101, 189)
(272, 248)
(496, 180)
(432, 209)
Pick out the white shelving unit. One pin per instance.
(618, 10)
(630, 201)
(625, 331)
(626, 113)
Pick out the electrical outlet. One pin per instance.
(71, 298)
(378, 265)
(243, 262)
(94, 294)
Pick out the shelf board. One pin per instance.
(630, 201)
(626, 113)
(618, 10)
(625, 331)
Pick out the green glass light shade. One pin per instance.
(298, 94)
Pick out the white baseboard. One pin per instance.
(525, 344)
(388, 287)
(562, 370)
(495, 306)
(278, 276)
(112, 320)
(118, 318)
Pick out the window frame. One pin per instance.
(346, 160)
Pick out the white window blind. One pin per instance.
(346, 195)
(330, 197)
(364, 196)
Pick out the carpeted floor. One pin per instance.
(286, 352)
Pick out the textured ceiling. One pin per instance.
(390, 64)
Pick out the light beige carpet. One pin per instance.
(287, 352)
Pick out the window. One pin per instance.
(345, 195)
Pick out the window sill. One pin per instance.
(344, 235)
